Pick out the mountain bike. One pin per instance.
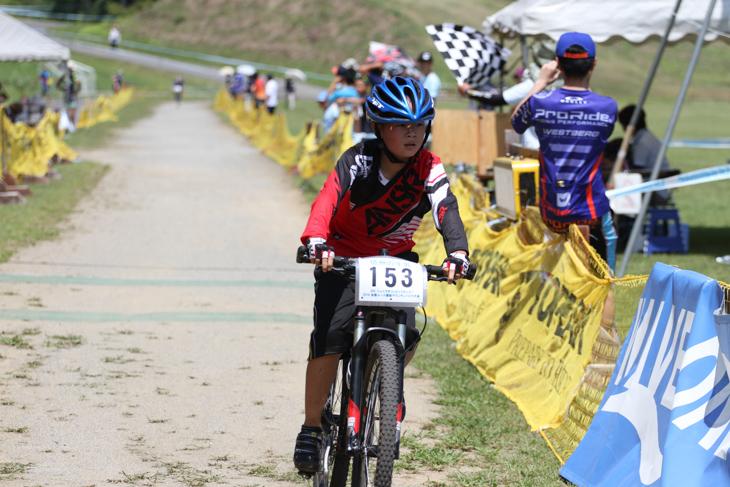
(362, 417)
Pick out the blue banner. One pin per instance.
(664, 420)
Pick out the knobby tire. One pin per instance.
(378, 419)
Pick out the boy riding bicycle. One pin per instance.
(374, 199)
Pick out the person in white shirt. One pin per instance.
(431, 80)
(115, 37)
(272, 94)
(511, 96)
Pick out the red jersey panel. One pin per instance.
(358, 214)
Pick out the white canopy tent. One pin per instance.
(18, 42)
(633, 20)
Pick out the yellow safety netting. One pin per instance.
(28, 150)
(270, 133)
(103, 108)
(543, 319)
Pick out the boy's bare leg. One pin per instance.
(320, 375)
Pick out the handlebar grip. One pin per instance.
(434, 270)
(303, 258)
(437, 270)
(472, 271)
(302, 255)
(342, 261)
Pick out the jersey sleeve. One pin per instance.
(445, 209)
(326, 204)
(486, 97)
(522, 120)
(515, 94)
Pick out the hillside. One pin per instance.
(311, 34)
(315, 34)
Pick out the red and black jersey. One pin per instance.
(358, 214)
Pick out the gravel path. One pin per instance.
(168, 325)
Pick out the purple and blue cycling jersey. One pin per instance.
(573, 127)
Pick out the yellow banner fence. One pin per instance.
(27, 150)
(544, 319)
(270, 133)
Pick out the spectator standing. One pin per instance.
(271, 91)
(237, 84)
(339, 94)
(178, 86)
(117, 81)
(115, 37)
(431, 80)
(45, 79)
(343, 85)
(322, 99)
(291, 96)
(373, 71)
(70, 85)
(573, 125)
(258, 90)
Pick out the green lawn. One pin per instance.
(479, 436)
(38, 219)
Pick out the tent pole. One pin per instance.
(629, 132)
(639, 222)
(525, 54)
(3, 168)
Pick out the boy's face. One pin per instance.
(403, 139)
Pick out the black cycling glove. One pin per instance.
(318, 249)
(458, 261)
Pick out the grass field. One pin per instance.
(39, 219)
(480, 436)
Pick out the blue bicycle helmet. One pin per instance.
(400, 100)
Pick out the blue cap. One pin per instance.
(575, 39)
(322, 96)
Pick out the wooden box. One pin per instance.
(469, 136)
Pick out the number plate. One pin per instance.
(390, 281)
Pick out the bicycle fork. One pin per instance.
(356, 374)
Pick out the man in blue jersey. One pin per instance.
(573, 125)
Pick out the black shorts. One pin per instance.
(334, 317)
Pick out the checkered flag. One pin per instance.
(469, 54)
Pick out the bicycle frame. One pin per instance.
(358, 357)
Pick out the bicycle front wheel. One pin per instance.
(373, 466)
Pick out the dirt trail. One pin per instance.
(168, 324)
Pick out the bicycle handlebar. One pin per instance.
(346, 265)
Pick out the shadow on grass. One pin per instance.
(713, 241)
